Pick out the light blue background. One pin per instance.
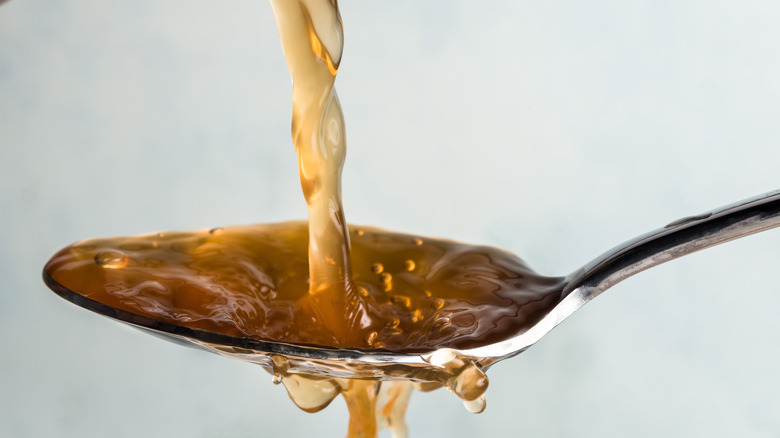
(555, 129)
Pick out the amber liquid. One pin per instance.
(320, 283)
(420, 294)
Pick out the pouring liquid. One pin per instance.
(321, 283)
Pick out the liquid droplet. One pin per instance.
(112, 259)
(476, 406)
(311, 394)
(470, 384)
(277, 379)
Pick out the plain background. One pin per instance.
(555, 129)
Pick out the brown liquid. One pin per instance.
(307, 284)
(420, 294)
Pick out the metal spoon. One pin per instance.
(678, 238)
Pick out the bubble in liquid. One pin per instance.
(363, 291)
(409, 265)
(216, 231)
(371, 338)
(438, 304)
(377, 268)
(417, 241)
(401, 300)
(112, 259)
(360, 232)
(387, 281)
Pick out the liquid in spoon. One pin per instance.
(320, 283)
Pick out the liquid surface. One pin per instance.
(421, 294)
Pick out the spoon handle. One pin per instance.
(679, 238)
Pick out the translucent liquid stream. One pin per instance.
(312, 38)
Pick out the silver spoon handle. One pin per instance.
(679, 238)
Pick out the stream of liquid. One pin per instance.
(312, 37)
(320, 283)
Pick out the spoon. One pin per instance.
(678, 238)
